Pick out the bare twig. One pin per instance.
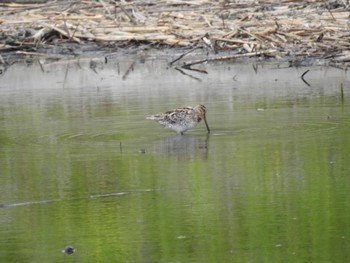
(105, 7)
(189, 64)
(127, 14)
(62, 32)
(249, 54)
(329, 10)
(182, 55)
(184, 73)
(198, 70)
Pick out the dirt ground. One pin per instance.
(287, 29)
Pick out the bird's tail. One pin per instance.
(154, 117)
(150, 118)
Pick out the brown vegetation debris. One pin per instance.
(312, 28)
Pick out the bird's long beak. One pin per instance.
(206, 124)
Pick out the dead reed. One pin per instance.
(271, 28)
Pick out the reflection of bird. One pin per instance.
(182, 119)
(185, 147)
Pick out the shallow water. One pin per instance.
(82, 167)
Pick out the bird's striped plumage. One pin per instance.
(182, 119)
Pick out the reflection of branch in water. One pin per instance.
(66, 74)
(131, 68)
(198, 70)
(184, 73)
(185, 147)
(93, 65)
(41, 65)
(229, 57)
(255, 67)
(182, 55)
(302, 78)
(118, 68)
(4, 65)
(341, 93)
(3, 69)
(188, 65)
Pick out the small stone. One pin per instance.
(69, 250)
(142, 150)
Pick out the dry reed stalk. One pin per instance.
(291, 26)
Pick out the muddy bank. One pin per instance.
(293, 30)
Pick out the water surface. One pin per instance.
(82, 167)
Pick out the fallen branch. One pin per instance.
(62, 32)
(182, 55)
(184, 73)
(250, 54)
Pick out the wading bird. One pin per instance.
(182, 119)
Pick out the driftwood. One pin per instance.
(287, 28)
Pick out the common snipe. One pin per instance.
(182, 119)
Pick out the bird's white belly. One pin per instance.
(181, 127)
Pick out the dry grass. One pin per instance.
(287, 28)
